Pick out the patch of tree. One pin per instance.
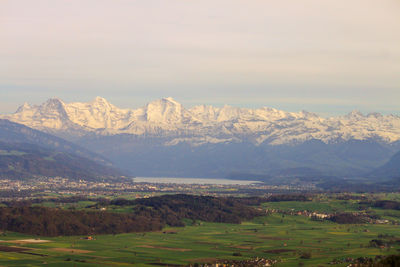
(289, 197)
(380, 261)
(359, 262)
(55, 222)
(377, 243)
(383, 204)
(250, 201)
(373, 215)
(387, 204)
(350, 197)
(69, 199)
(392, 260)
(305, 255)
(384, 240)
(347, 218)
(205, 208)
(148, 215)
(256, 201)
(391, 214)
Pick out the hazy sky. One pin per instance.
(329, 56)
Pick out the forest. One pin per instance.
(150, 214)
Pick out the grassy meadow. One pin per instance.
(277, 236)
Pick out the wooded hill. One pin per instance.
(148, 215)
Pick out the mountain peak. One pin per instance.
(166, 110)
(99, 99)
(171, 100)
(355, 114)
(54, 100)
(54, 103)
(165, 103)
(24, 107)
(101, 102)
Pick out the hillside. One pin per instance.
(17, 133)
(27, 161)
(389, 169)
(27, 153)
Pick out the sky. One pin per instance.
(328, 57)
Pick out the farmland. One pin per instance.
(284, 236)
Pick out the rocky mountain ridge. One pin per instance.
(168, 119)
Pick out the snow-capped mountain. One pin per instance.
(168, 119)
(163, 138)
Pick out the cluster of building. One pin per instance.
(311, 214)
(324, 216)
(244, 263)
(25, 189)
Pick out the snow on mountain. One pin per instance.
(166, 118)
(97, 114)
(51, 114)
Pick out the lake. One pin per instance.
(173, 180)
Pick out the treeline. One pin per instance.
(387, 204)
(381, 261)
(249, 201)
(347, 218)
(205, 208)
(289, 197)
(382, 204)
(56, 222)
(148, 215)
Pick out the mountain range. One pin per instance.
(204, 124)
(163, 138)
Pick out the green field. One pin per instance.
(277, 236)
